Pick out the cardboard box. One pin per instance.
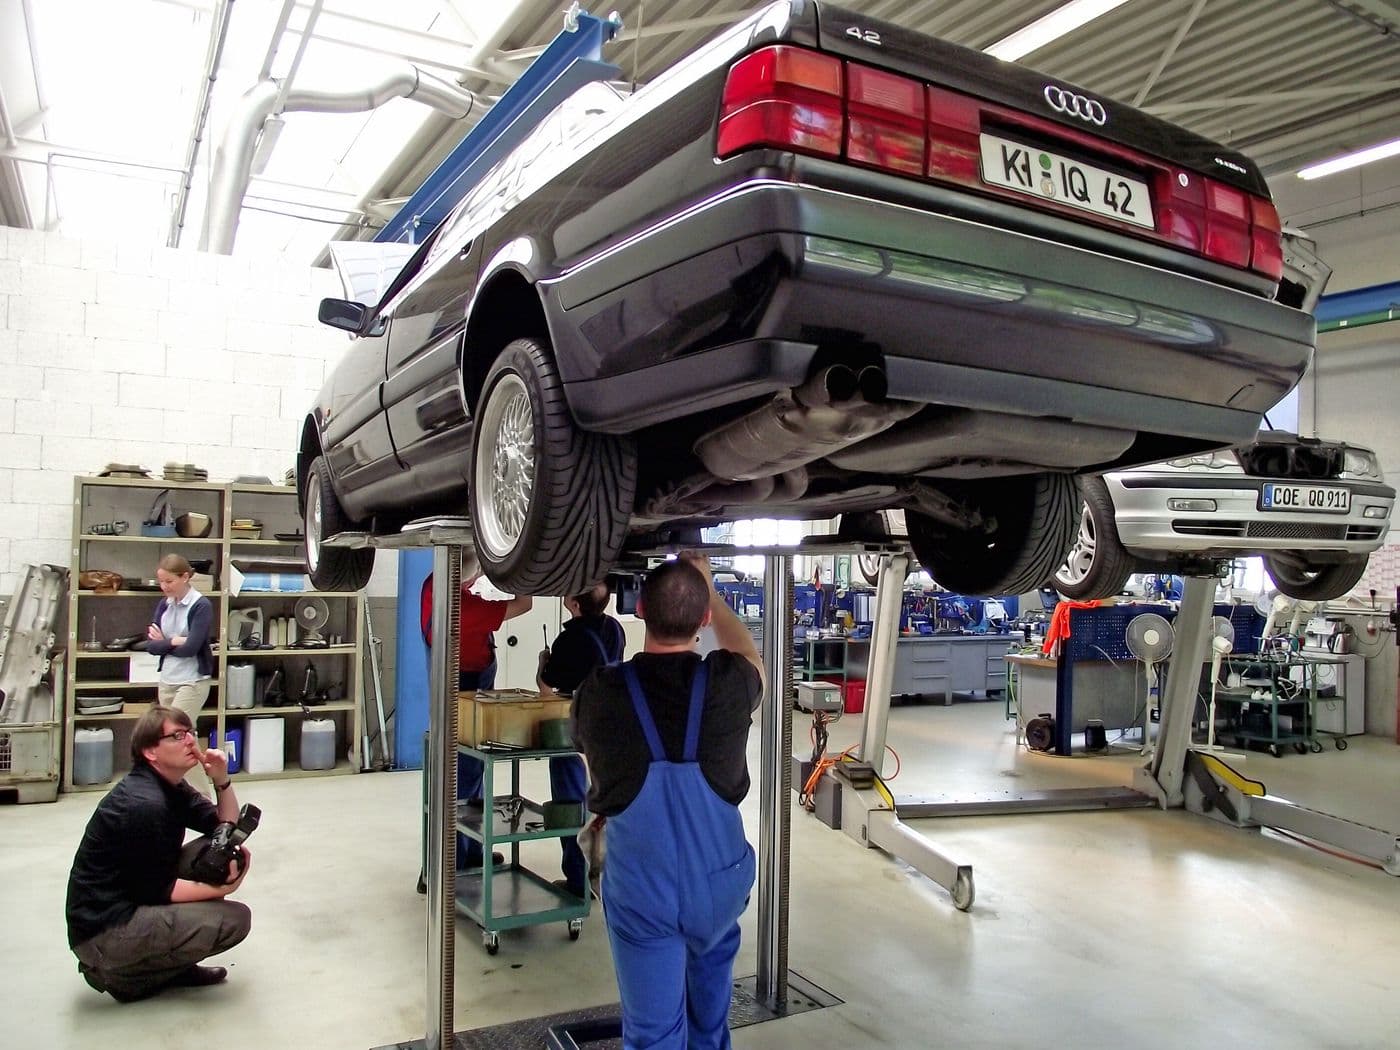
(505, 716)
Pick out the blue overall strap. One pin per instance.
(612, 656)
(639, 704)
(698, 686)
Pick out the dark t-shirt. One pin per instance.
(575, 653)
(606, 729)
(131, 849)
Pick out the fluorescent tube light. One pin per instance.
(1056, 24)
(1351, 160)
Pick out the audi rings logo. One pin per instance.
(1072, 105)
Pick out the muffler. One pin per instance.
(836, 407)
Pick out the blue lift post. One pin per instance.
(572, 59)
(1360, 306)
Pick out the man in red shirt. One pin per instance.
(476, 669)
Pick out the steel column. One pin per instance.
(441, 875)
(1178, 706)
(775, 788)
(884, 635)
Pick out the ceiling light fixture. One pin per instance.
(1351, 160)
(1050, 27)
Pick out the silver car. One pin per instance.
(1313, 510)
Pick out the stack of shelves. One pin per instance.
(96, 619)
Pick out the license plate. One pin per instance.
(1049, 176)
(1325, 498)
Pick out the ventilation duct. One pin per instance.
(233, 160)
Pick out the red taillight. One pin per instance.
(1220, 222)
(784, 97)
(953, 126)
(885, 128)
(1267, 256)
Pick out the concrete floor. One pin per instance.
(1134, 928)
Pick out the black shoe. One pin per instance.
(198, 977)
(563, 884)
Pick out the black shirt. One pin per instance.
(606, 729)
(575, 652)
(130, 850)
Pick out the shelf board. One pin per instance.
(152, 483)
(297, 650)
(294, 594)
(137, 594)
(207, 541)
(265, 490)
(267, 543)
(127, 716)
(116, 685)
(286, 709)
(292, 772)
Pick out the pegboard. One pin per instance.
(1101, 633)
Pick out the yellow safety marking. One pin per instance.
(1231, 776)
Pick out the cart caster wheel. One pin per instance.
(575, 928)
(1315, 747)
(1275, 750)
(491, 942)
(1301, 748)
(963, 891)
(1342, 745)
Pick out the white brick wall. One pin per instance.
(129, 353)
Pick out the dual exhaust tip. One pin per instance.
(840, 383)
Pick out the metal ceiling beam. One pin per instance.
(1386, 10)
(1368, 87)
(1169, 51)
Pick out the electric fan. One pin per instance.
(1271, 605)
(311, 615)
(1150, 640)
(1222, 643)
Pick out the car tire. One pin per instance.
(1034, 520)
(1097, 566)
(871, 525)
(330, 568)
(549, 503)
(1320, 584)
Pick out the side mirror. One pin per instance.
(345, 314)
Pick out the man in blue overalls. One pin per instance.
(591, 638)
(665, 736)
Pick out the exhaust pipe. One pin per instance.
(836, 407)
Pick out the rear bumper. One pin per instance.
(1237, 526)
(963, 314)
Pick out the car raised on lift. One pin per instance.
(1313, 510)
(822, 265)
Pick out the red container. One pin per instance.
(853, 696)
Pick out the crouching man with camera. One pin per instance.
(139, 918)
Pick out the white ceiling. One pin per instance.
(100, 99)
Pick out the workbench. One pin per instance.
(939, 664)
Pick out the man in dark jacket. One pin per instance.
(135, 925)
(665, 736)
(590, 639)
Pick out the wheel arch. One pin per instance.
(308, 448)
(506, 307)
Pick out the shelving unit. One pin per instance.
(127, 612)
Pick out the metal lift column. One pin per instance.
(775, 790)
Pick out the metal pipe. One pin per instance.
(233, 160)
(775, 788)
(218, 34)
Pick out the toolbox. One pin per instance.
(505, 716)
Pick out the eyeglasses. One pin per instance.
(179, 736)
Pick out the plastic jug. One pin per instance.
(240, 686)
(92, 756)
(318, 743)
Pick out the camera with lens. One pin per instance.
(207, 859)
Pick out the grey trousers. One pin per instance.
(143, 955)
